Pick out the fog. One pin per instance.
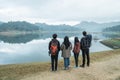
(35, 51)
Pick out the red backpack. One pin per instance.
(54, 47)
(76, 48)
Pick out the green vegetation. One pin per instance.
(17, 71)
(118, 78)
(112, 29)
(18, 26)
(112, 32)
(112, 43)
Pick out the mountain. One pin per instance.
(18, 26)
(112, 32)
(95, 27)
(62, 27)
(112, 29)
(1, 22)
(25, 26)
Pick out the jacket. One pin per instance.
(66, 53)
(58, 46)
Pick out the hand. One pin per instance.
(49, 53)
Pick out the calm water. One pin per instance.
(36, 50)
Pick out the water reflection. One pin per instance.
(34, 51)
(34, 47)
(19, 38)
(24, 38)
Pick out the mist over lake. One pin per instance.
(36, 49)
(24, 42)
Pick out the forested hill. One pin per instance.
(112, 29)
(94, 26)
(18, 26)
(25, 26)
(1, 22)
(62, 27)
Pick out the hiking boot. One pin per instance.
(88, 65)
(82, 66)
(55, 70)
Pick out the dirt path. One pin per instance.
(109, 69)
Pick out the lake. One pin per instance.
(34, 48)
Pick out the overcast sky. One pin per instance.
(60, 11)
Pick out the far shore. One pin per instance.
(112, 43)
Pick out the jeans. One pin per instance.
(66, 62)
(76, 55)
(54, 62)
(85, 52)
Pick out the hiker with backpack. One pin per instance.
(54, 48)
(85, 45)
(66, 48)
(76, 50)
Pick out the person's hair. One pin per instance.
(84, 33)
(66, 42)
(76, 40)
(54, 36)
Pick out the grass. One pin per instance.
(17, 71)
(118, 78)
(113, 43)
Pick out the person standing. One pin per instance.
(76, 50)
(85, 45)
(66, 48)
(54, 48)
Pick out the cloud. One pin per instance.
(60, 10)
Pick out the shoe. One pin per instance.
(88, 65)
(75, 66)
(67, 68)
(82, 66)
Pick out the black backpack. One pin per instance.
(86, 41)
(89, 37)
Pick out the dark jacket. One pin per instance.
(82, 42)
(57, 45)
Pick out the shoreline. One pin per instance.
(17, 71)
(112, 43)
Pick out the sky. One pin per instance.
(60, 11)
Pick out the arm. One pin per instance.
(81, 43)
(58, 46)
(49, 45)
(70, 46)
(62, 47)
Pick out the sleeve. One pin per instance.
(58, 46)
(49, 45)
(73, 48)
(70, 46)
(81, 42)
(62, 47)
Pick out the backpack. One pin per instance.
(76, 48)
(54, 47)
(89, 37)
(86, 41)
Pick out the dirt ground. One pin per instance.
(108, 69)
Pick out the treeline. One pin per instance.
(112, 29)
(25, 26)
(18, 26)
(61, 27)
(112, 32)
